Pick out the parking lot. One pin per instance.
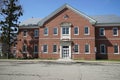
(26, 70)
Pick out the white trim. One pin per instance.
(104, 48)
(70, 51)
(78, 30)
(100, 31)
(64, 36)
(109, 39)
(88, 47)
(60, 51)
(113, 31)
(107, 24)
(118, 48)
(88, 30)
(72, 38)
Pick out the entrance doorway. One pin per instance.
(65, 52)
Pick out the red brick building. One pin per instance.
(70, 34)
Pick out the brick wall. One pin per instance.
(81, 39)
(29, 40)
(109, 40)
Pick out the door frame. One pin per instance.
(65, 44)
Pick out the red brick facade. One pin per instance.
(93, 40)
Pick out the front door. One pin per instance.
(65, 52)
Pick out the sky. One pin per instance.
(42, 8)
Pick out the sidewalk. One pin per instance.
(59, 61)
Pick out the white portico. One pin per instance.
(65, 41)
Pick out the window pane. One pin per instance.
(44, 48)
(102, 31)
(67, 30)
(24, 48)
(115, 48)
(46, 31)
(76, 48)
(36, 48)
(115, 31)
(102, 47)
(24, 33)
(36, 33)
(54, 48)
(86, 30)
(75, 30)
(86, 48)
(55, 31)
(63, 30)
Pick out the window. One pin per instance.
(86, 31)
(36, 33)
(76, 48)
(24, 48)
(25, 33)
(66, 16)
(87, 48)
(45, 50)
(46, 31)
(102, 49)
(65, 30)
(115, 31)
(55, 31)
(116, 49)
(54, 48)
(35, 48)
(102, 32)
(76, 31)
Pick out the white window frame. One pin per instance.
(101, 48)
(54, 29)
(117, 47)
(103, 31)
(47, 48)
(36, 31)
(77, 29)
(56, 48)
(88, 30)
(25, 48)
(47, 32)
(78, 49)
(117, 31)
(34, 48)
(26, 33)
(88, 47)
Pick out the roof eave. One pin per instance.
(107, 24)
(29, 27)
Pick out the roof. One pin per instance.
(107, 19)
(63, 7)
(31, 21)
(100, 20)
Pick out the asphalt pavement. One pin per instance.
(58, 70)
